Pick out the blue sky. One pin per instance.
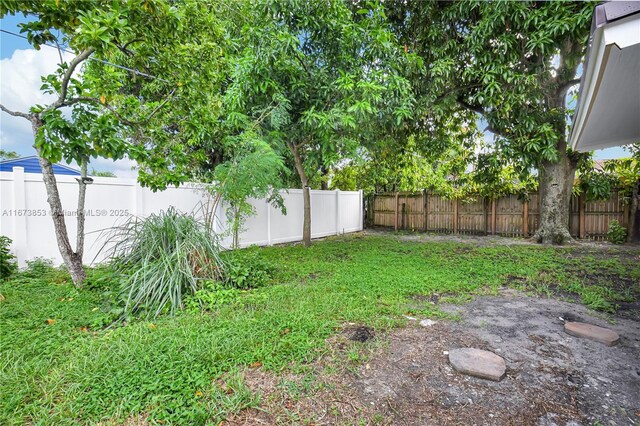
(20, 71)
(11, 43)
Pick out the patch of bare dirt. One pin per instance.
(403, 377)
(586, 247)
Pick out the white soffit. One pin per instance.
(608, 111)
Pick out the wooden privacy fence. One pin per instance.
(507, 216)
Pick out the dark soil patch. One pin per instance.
(360, 334)
(605, 277)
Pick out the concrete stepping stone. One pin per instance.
(427, 323)
(591, 332)
(478, 363)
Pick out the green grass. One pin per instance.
(188, 369)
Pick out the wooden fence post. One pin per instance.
(493, 217)
(626, 212)
(425, 213)
(404, 214)
(582, 231)
(396, 213)
(485, 209)
(525, 219)
(455, 216)
(371, 203)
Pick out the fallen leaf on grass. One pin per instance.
(50, 321)
(256, 364)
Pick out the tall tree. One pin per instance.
(313, 76)
(513, 64)
(132, 61)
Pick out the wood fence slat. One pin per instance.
(502, 216)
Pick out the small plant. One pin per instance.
(42, 268)
(38, 267)
(247, 269)
(617, 234)
(102, 277)
(213, 295)
(162, 258)
(8, 265)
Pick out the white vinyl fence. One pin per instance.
(25, 216)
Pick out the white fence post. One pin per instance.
(361, 209)
(337, 212)
(19, 213)
(268, 222)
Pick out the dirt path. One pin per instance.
(586, 246)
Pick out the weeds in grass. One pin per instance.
(183, 369)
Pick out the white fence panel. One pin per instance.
(25, 216)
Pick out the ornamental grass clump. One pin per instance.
(163, 258)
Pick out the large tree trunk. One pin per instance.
(306, 195)
(555, 187)
(71, 259)
(324, 178)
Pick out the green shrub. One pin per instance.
(43, 269)
(38, 267)
(162, 258)
(212, 295)
(246, 269)
(617, 234)
(103, 277)
(8, 265)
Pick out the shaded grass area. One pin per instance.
(78, 367)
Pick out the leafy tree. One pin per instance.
(8, 155)
(316, 76)
(115, 90)
(513, 64)
(252, 172)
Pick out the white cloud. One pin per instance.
(122, 168)
(20, 89)
(20, 81)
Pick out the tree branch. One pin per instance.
(16, 113)
(474, 108)
(562, 89)
(299, 58)
(457, 89)
(67, 76)
(163, 103)
(115, 112)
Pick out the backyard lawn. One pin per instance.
(65, 359)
